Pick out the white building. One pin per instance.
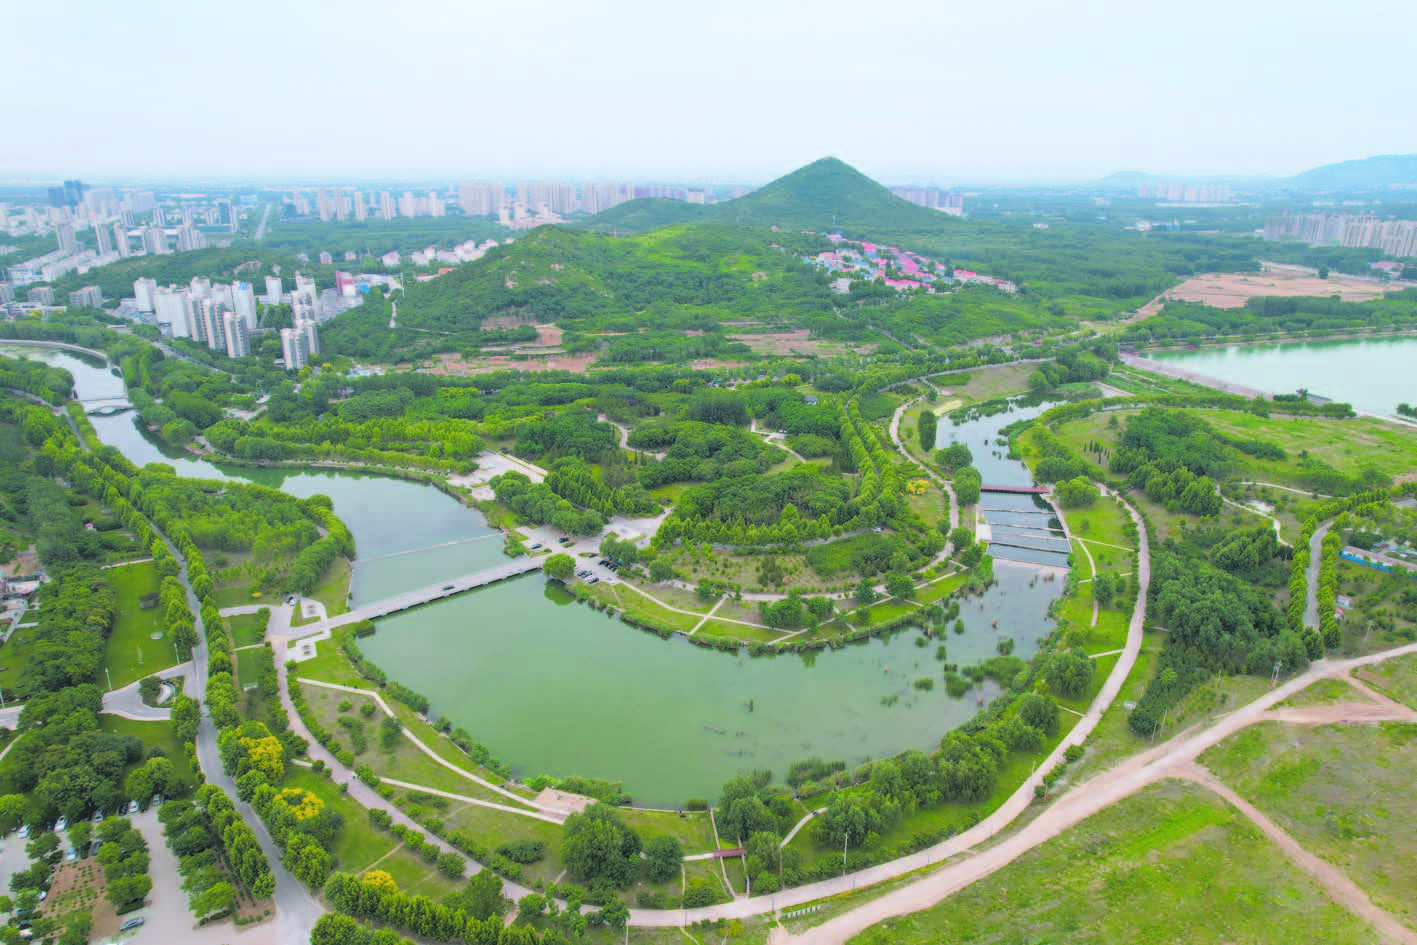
(295, 348)
(120, 239)
(244, 302)
(238, 337)
(201, 287)
(143, 290)
(211, 319)
(174, 310)
(155, 240)
(275, 292)
(89, 295)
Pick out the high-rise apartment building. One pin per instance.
(120, 239)
(238, 337)
(322, 200)
(295, 348)
(190, 238)
(274, 290)
(361, 210)
(90, 296)
(201, 287)
(174, 310)
(243, 296)
(40, 295)
(155, 240)
(386, 205)
(68, 243)
(143, 291)
(211, 317)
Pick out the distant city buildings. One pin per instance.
(300, 344)
(89, 296)
(1391, 237)
(932, 198)
(1181, 192)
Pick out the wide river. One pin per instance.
(558, 688)
(1374, 375)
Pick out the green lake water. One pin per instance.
(556, 687)
(1374, 375)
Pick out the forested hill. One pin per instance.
(1374, 173)
(825, 194)
(680, 278)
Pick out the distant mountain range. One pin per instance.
(825, 194)
(1384, 172)
(1374, 173)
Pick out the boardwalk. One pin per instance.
(423, 595)
(1020, 490)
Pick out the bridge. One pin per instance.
(109, 410)
(1017, 490)
(1016, 543)
(424, 595)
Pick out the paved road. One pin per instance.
(261, 227)
(129, 704)
(1311, 594)
(1170, 759)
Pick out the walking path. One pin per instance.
(1009, 811)
(1342, 889)
(378, 698)
(717, 604)
(799, 825)
(1131, 775)
(464, 799)
(939, 480)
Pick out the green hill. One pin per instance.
(1375, 173)
(825, 194)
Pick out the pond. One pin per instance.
(1374, 375)
(556, 687)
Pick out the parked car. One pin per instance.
(132, 923)
(71, 856)
(156, 801)
(97, 817)
(290, 600)
(534, 546)
(93, 847)
(132, 807)
(447, 587)
(61, 824)
(24, 831)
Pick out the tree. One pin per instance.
(217, 899)
(559, 566)
(899, 585)
(14, 809)
(967, 482)
(660, 570)
(1038, 711)
(866, 592)
(1104, 587)
(483, 898)
(662, 858)
(149, 687)
(450, 865)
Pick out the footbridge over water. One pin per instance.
(424, 595)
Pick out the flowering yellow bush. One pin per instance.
(917, 486)
(302, 804)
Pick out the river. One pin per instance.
(1374, 375)
(1022, 527)
(555, 687)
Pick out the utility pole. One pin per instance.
(845, 839)
(110, 678)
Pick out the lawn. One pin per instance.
(1325, 692)
(360, 844)
(247, 666)
(247, 629)
(1172, 864)
(329, 664)
(493, 828)
(1343, 792)
(131, 652)
(1346, 445)
(333, 589)
(1395, 678)
(154, 735)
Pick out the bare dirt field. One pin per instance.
(456, 365)
(1231, 289)
(796, 342)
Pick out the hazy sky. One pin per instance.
(949, 91)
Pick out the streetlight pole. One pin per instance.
(110, 678)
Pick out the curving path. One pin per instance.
(1009, 811)
(1174, 758)
(940, 481)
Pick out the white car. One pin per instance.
(132, 807)
(61, 824)
(24, 831)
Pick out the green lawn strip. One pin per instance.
(638, 607)
(738, 631)
(693, 830)
(415, 876)
(939, 589)
(237, 595)
(333, 589)
(329, 665)
(1112, 739)
(1325, 692)
(494, 828)
(1394, 678)
(154, 735)
(359, 842)
(1343, 792)
(1172, 863)
(246, 629)
(131, 653)
(15, 655)
(247, 664)
(1346, 445)
(405, 762)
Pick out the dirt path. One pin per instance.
(1170, 759)
(1342, 889)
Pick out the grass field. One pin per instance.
(1346, 445)
(1343, 792)
(360, 844)
(1172, 864)
(131, 652)
(1394, 678)
(154, 735)
(247, 667)
(1325, 692)
(246, 629)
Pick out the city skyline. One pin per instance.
(552, 90)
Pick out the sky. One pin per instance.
(947, 92)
